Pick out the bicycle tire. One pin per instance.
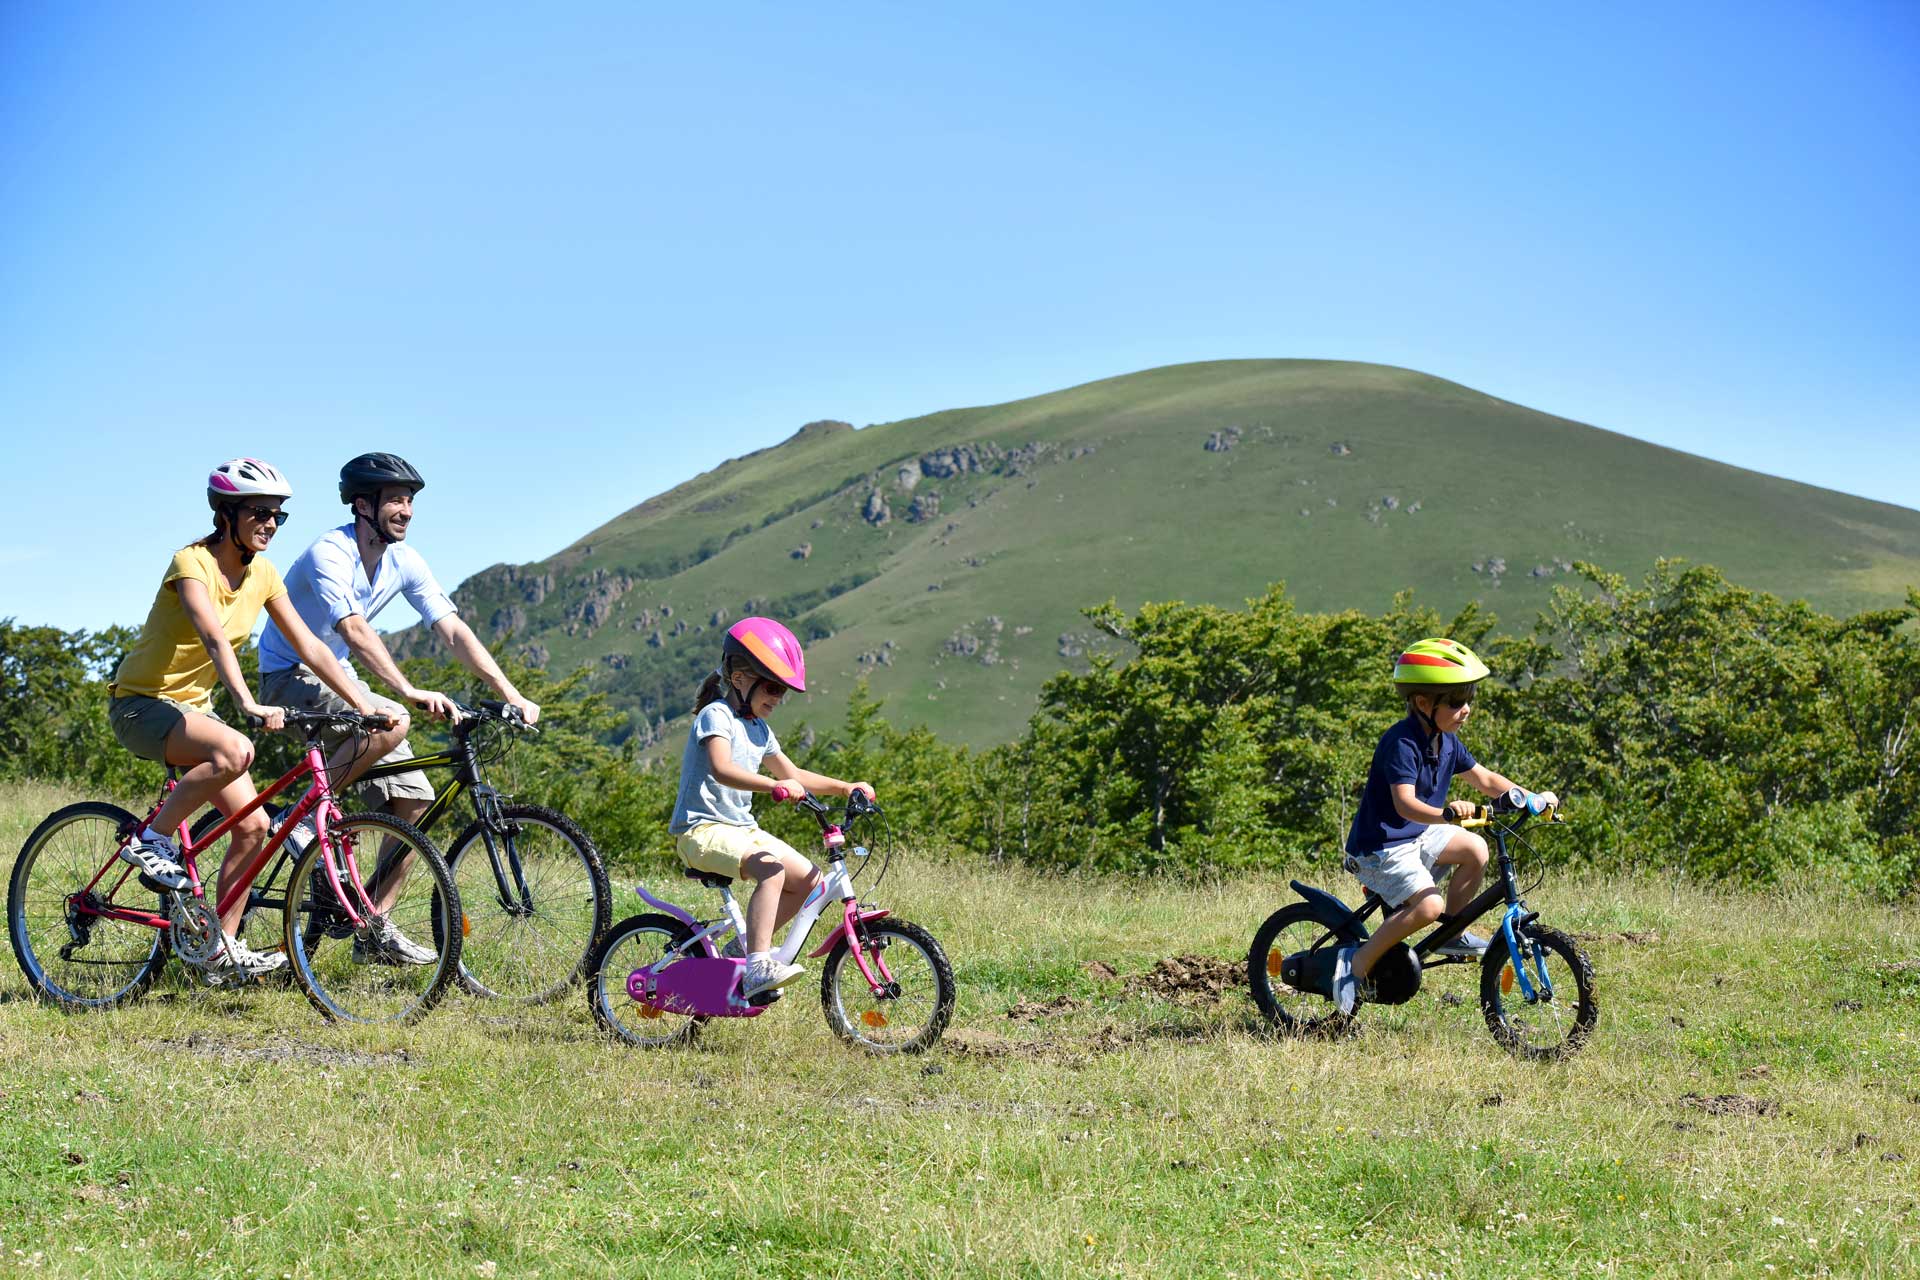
(877, 1027)
(337, 976)
(58, 859)
(1292, 928)
(508, 955)
(1541, 1032)
(632, 944)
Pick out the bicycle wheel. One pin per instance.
(635, 943)
(1541, 1029)
(109, 962)
(1292, 928)
(911, 1014)
(361, 978)
(528, 947)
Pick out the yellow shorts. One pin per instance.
(719, 847)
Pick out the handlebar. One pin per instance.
(1484, 815)
(492, 711)
(313, 721)
(858, 806)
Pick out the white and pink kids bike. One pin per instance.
(886, 985)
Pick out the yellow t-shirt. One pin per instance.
(168, 661)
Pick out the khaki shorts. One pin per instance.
(142, 723)
(719, 847)
(298, 689)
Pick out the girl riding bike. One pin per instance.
(727, 747)
(162, 691)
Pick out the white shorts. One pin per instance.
(1399, 871)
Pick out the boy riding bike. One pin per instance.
(1400, 833)
(727, 745)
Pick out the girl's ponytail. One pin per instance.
(712, 689)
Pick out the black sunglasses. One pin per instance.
(1456, 699)
(278, 515)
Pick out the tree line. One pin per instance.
(1688, 723)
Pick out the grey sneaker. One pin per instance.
(766, 975)
(158, 860)
(1467, 945)
(1345, 989)
(237, 960)
(385, 944)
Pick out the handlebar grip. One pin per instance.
(377, 723)
(255, 722)
(781, 795)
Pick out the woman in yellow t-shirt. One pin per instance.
(162, 692)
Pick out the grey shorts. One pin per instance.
(1399, 871)
(298, 689)
(142, 723)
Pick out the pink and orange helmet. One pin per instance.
(767, 648)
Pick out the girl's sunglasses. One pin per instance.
(278, 515)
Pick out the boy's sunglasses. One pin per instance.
(1456, 700)
(278, 515)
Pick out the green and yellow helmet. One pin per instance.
(1437, 660)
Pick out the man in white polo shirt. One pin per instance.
(338, 585)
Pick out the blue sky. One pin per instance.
(565, 256)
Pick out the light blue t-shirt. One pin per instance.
(703, 797)
(328, 583)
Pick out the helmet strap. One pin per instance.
(373, 501)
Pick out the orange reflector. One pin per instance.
(1506, 980)
(874, 1018)
(1274, 960)
(466, 924)
(648, 1011)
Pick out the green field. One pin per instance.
(1349, 482)
(1750, 1105)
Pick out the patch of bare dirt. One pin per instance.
(1731, 1104)
(1189, 979)
(1630, 937)
(1101, 971)
(1034, 1010)
(971, 1043)
(205, 1046)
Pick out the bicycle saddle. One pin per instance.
(709, 879)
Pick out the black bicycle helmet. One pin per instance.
(371, 472)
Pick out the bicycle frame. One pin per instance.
(1516, 916)
(318, 800)
(463, 760)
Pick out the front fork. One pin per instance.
(1511, 928)
(486, 806)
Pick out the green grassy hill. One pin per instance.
(947, 557)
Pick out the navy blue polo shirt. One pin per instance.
(1402, 757)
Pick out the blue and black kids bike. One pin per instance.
(1536, 985)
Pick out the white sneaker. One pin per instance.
(237, 959)
(765, 973)
(157, 858)
(1345, 991)
(385, 944)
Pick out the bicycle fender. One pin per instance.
(1332, 912)
(873, 914)
(661, 905)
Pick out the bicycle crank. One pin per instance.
(196, 933)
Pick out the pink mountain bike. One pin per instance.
(92, 932)
(886, 985)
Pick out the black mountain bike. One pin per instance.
(1536, 985)
(532, 886)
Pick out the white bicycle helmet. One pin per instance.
(239, 478)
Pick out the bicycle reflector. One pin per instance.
(874, 1018)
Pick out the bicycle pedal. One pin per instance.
(151, 885)
(762, 999)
